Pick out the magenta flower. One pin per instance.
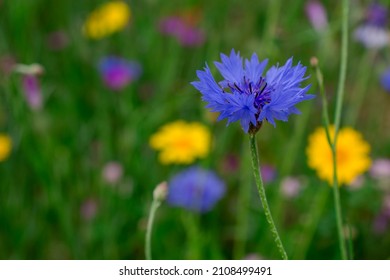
(32, 91)
(187, 34)
(117, 72)
(316, 14)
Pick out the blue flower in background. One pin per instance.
(195, 189)
(376, 14)
(248, 95)
(385, 79)
(373, 33)
(117, 72)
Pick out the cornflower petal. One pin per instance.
(254, 69)
(231, 67)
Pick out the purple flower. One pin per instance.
(376, 14)
(373, 33)
(185, 33)
(170, 25)
(32, 91)
(117, 72)
(268, 173)
(249, 96)
(195, 189)
(371, 36)
(385, 79)
(316, 14)
(230, 164)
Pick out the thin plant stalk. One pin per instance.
(148, 241)
(337, 120)
(343, 68)
(332, 145)
(263, 198)
(337, 205)
(191, 222)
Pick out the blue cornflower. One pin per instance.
(248, 95)
(195, 189)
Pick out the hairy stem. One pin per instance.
(263, 198)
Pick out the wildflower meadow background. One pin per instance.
(100, 103)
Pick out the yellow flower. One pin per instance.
(5, 146)
(351, 153)
(107, 19)
(181, 142)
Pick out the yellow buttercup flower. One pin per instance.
(5, 146)
(107, 19)
(351, 152)
(181, 142)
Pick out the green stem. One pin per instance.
(325, 114)
(337, 205)
(194, 236)
(343, 68)
(337, 118)
(263, 198)
(332, 142)
(148, 241)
